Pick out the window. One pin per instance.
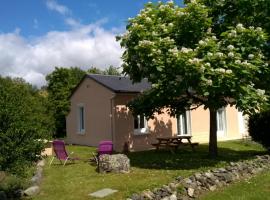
(183, 124)
(81, 119)
(140, 124)
(221, 122)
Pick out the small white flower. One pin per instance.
(260, 55)
(231, 55)
(209, 82)
(145, 43)
(261, 92)
(201, 43)
(237, 62)
(245, 63)
(209, 54)
(207, 64)
(194, 60)
(259, 29)
(230, 47)
(148, 19)
(221, 70)
(228, 71)
(180, 13)
(162, 7)
(250, 56)
(219, 54)
(201, 69)
(240, 27)
(185, 50)
(170, 24)
(214, 37)
(251, 27)
(174, 51)
(233, 33)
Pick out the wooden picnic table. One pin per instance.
(172, 143)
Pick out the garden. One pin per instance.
(149, 169)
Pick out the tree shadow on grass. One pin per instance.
(186, 159)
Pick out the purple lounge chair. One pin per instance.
(104, 147)
(60, 152)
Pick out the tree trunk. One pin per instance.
(213, 133)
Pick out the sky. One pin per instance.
(38, 35)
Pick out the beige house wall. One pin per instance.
(98, 122)
(161, 125)
(200, 125)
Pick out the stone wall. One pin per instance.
(201, 182)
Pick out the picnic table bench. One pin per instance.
(172, 143)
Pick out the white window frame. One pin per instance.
(141, 131)
(187, 118)
(222, 133)
(79, 122)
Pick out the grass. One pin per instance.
(257, 188)
(149, 169)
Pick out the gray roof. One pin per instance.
(120, 84)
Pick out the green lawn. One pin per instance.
(257, 188)
(149, 169)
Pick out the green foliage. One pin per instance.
(11, 186)
(61, 82)
(247, 12)
(259, 126)
(94, 70)
(109, 71)
(24, 123)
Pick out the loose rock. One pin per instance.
(31, 191)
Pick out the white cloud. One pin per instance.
(32, 59)
(53, 5)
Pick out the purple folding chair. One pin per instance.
(61, 153)
(104, 147)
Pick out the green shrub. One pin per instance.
(259, 128)
(12, 185)
(24, 123)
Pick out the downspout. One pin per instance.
(112, 116)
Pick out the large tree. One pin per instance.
(61, 82)
(24, 123)
(191, 66)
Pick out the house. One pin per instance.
(99, 112)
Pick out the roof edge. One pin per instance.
(111, 89)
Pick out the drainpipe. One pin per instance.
(112, 116)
